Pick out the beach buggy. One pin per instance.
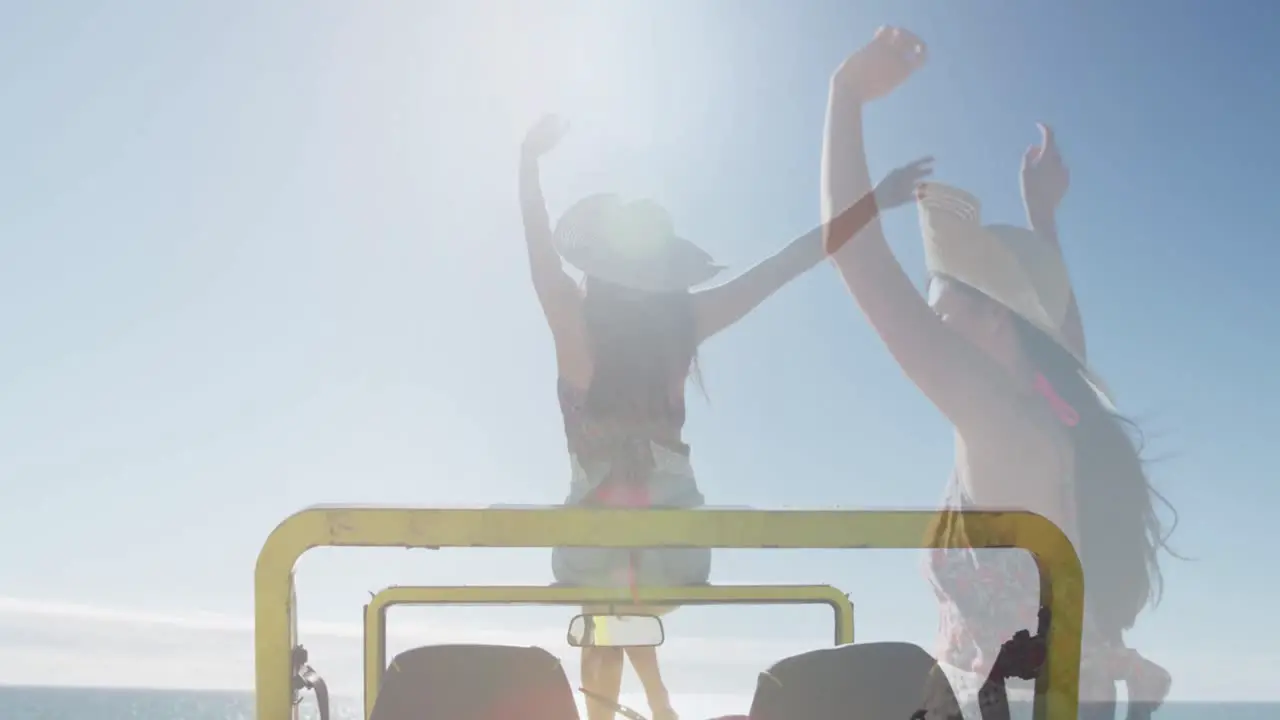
(872, 681)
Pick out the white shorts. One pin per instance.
(672, 484)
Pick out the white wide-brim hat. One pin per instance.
(1011, 265)
(632, 244)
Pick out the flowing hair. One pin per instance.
(643, 348)
(1120, 532)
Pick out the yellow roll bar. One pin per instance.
(375, 613)
(1061, 579)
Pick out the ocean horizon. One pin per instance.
(102, 703)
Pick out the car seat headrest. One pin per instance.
(475, 682)
(869, 681)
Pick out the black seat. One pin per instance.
(475, 682)
(870, 681)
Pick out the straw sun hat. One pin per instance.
(1008, 264)
(632, 244)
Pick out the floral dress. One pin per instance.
(986, 596)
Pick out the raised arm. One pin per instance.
(1045, 180)
(719, 307)
(967, 386)
(559, 296)
(723, 305)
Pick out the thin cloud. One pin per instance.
(54, 642)
(422, 632)
(50, 642)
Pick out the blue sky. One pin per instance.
(255, 256)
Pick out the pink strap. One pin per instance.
(627, 495)
(1061, 408)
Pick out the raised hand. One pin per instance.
(899, 187)
(1045, 178)
(883, 64)
(544, 135)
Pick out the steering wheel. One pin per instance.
(618, 707)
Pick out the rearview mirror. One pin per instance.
(616, 631)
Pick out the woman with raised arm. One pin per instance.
(626, 342)
(997, 348)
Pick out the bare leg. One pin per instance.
(1148, 683)
(602, 674)
(1100, 700)
(645, 661)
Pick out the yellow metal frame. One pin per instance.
(1061, 579)
(375, 613)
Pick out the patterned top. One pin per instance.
(985, 595)
(622, 440)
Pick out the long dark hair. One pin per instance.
(643, 345)
(1120, 532)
